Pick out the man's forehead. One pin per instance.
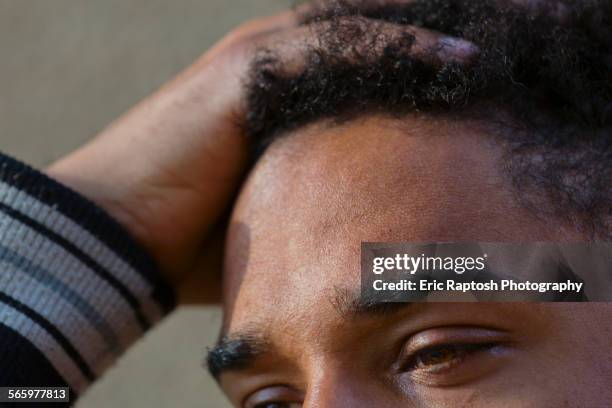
(332, 175)
(317, 194)
(283, 286)
(314, 197)
(337, 182)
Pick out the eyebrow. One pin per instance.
(352, 304)
(235, 352)
(239, 351)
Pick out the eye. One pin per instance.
(446, 356)
(274, 397)
(452, 356)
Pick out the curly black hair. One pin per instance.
(543, 73)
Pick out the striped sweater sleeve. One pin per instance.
(75, 289)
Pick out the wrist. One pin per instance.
(108, 192)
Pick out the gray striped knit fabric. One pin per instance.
(75, 289)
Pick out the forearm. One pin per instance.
(75, 289)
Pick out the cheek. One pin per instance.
(587, 350)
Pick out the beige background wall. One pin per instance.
(69, 67)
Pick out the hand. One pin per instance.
(169, 168)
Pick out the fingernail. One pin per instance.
(456, 48)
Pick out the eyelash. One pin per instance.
(441, 356)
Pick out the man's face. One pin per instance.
(296, 329)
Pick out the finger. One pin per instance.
(258, 27)
(278, 22)
(360, 39)
(243, 34)
(281, 21)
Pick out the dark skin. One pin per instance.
(293, 246)
(292, 279)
